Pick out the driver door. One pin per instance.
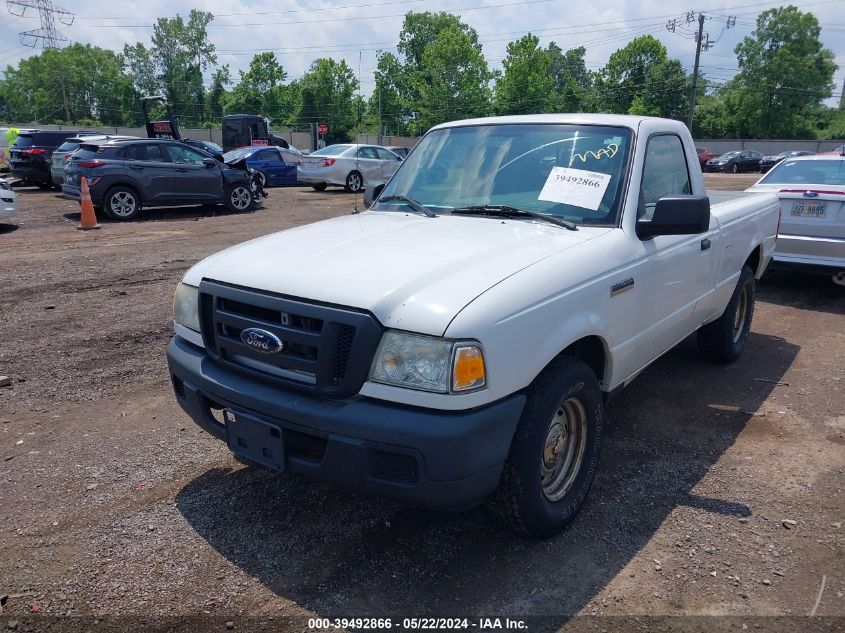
(191, 179)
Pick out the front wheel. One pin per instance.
(238, 198)
(723, 340)
(734, 168)
(555, 451)
(122, 204)
(354, 182)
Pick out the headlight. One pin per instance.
(428, 363)
(186, 307)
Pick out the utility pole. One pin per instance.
(842, 97)
(703, 43)
(698, 42)
(64, 97)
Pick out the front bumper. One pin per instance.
(438, 459)
(715, 168)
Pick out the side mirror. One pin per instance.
(209, 162)
(677, 215)
(371, 193)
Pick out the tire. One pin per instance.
(734, 168)
(239, 198)
(262, 177)
(354, 182)
(320, 187)
(723, 340)
(541, 502)
(122, 204)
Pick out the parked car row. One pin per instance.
(751, 160)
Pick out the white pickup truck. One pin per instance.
(457, 341)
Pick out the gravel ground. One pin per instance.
(720, 490)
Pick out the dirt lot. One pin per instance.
(114, 505)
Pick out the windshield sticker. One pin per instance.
(576, 187)
(609, 151)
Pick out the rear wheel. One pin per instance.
(319, 187)
(723, 340)
(555, 451)
(122, 203)
(238, 198)
(354, 182)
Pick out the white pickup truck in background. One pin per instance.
(456, 342)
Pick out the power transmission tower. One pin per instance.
(50, 13)
(703, 43)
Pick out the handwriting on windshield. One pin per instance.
(609, 151)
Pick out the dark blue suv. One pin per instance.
(125, 175)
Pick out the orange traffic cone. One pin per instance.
(87, 219)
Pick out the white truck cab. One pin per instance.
(456, 342)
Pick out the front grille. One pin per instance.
(326, 350)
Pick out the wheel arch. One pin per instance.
(592, 350)
(754, 260)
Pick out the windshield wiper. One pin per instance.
(416, 206)
(504, 209)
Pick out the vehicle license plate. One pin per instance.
(255, 439)
(808, 209)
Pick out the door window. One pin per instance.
(665, 173)
(368, 152)
(384, 154)
(182, 154)
(146, 152)
(268, 154)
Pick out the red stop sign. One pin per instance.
(323, 129)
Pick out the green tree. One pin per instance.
(328, 96)
(526, 85)
(641, 79)
(217, 94)
(182, 52)
(785, 73)
(258, 91)
(573, 82)
(387, 103)
(445, 74)
(77, 83)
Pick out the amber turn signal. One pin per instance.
(468, 370)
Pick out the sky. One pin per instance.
(300, 31)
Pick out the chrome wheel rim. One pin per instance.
(122, 204)
(563, 449)
(741, 313)
(354, 182)
(240, 198)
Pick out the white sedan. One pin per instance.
(350, 166)
(812, 215)
(8, 202)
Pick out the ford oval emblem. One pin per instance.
(811, 194)
(261, 340)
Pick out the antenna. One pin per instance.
(50, 13)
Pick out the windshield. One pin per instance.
(729, 155)
(810, 172)
(237, 154)
(331, 150)
(68, 146)
(573, 172)
(214, 147)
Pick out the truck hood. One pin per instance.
(412, 272)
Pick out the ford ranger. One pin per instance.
(456, 342)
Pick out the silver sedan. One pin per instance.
(350, 166)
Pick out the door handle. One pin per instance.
(136, 167)
(705, 244)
